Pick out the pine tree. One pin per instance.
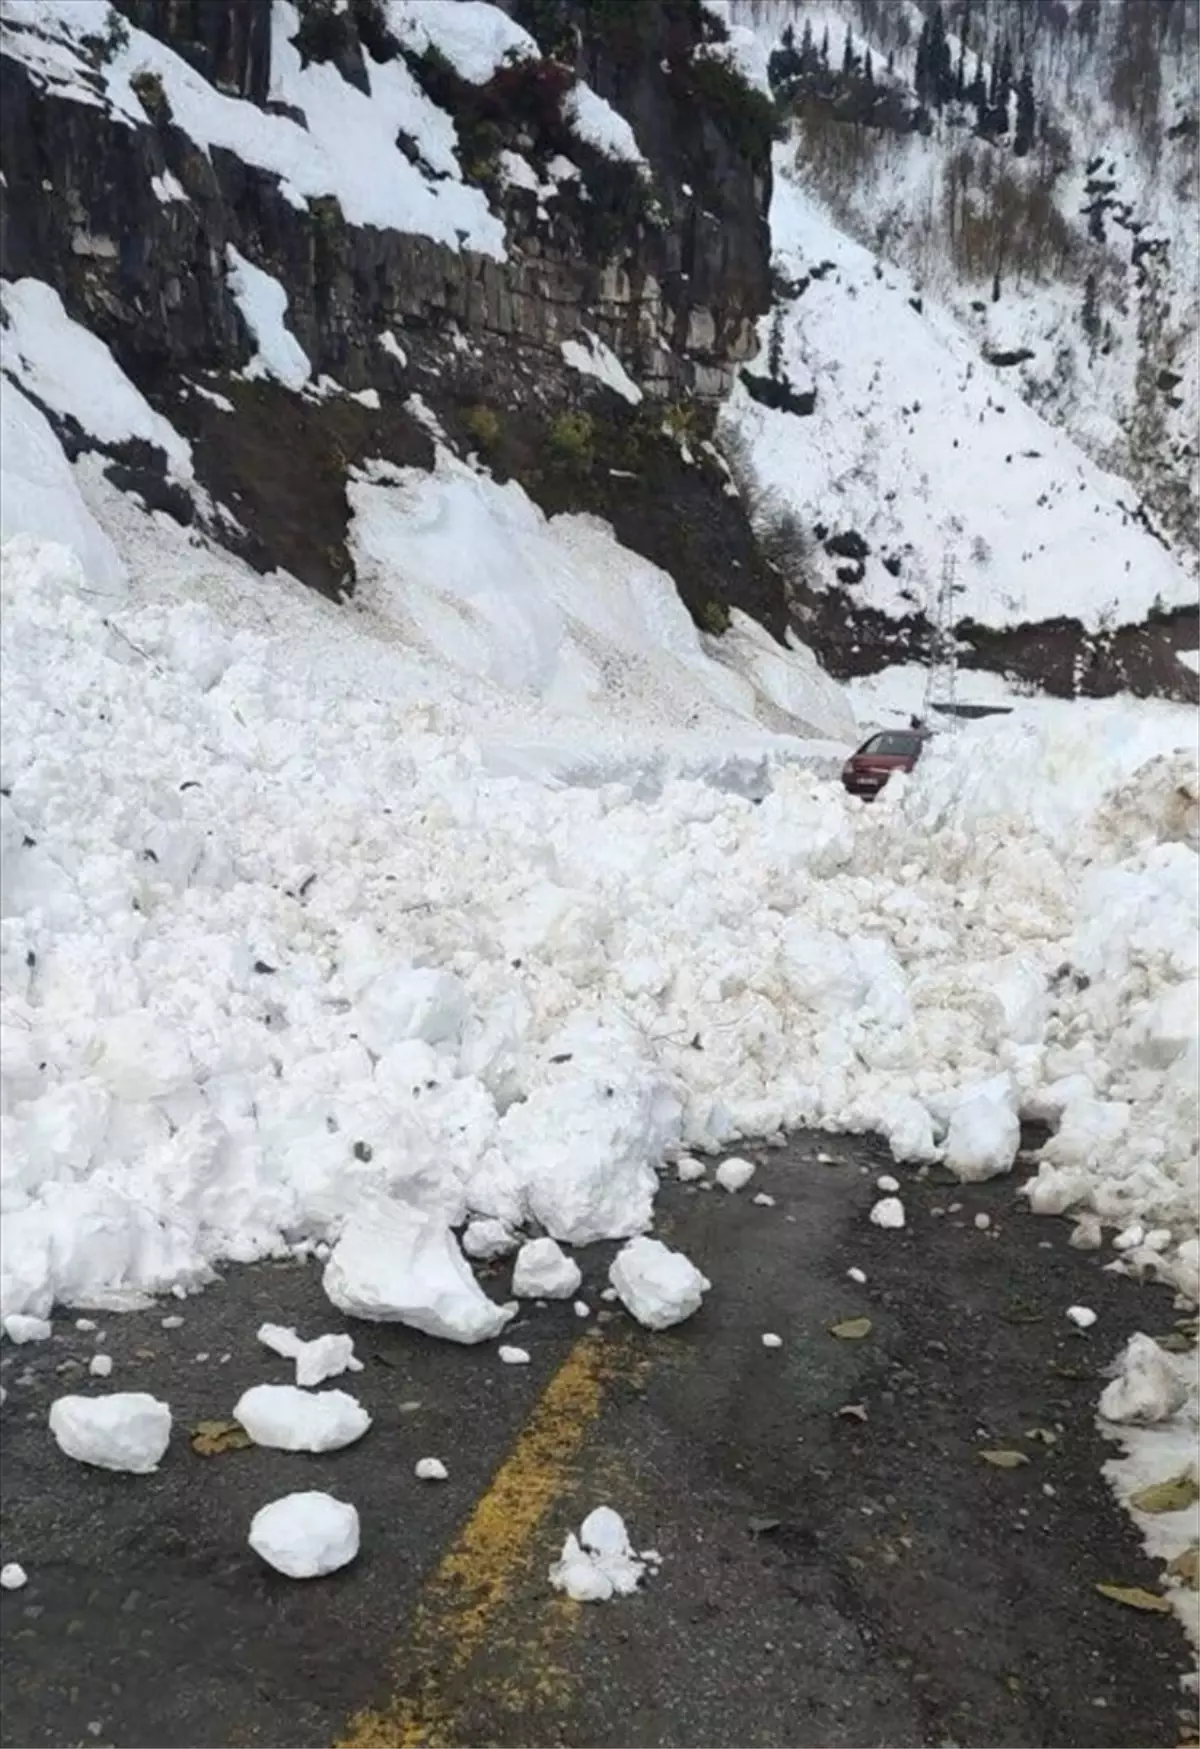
(960, 72)
(994, 80)
(848, 58)
(868, 69)
(1026, 113)
(891, 62)
(807, 53)
(789, 37)
(922, 73)
(825, 48)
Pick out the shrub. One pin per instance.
(750, 121)
(483, 425)
(570, 439)
(150, 93)
(109, 42)
(713, 616)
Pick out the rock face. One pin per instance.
(227, 41)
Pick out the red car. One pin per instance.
(865, 772)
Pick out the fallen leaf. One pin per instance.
(1072, 1370)
(1175, 1342)
(1173, 1495)
(209, 1438)
(1004, 1460)
(143, 1354)
(1186, 1567)
(853, 1411)
(1022, 1311)
(1135, 1597)
(1043, 1435)
(851, 1329)
(760, 1526)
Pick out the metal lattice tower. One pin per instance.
(941, 681)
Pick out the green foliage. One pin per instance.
(150, 93)
(570, 440)
(679, 418)
(714, 617)
(748, 119)
(483, 425)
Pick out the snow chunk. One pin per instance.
(263, 303)
(431, 1469)
(858, 1275)
(688, 1169)
(513, 1356)
(289, 1419)
(735, 1174)
(395, 1264)
(658, 1286)
(888, 1212)
(771, 1340)
(305, 1535)
(324, 1357)
(887, 1184)
(1148, 1386)
(1082, 1317)
(128, 1430)
(20, 1327)
(600, 1563)
(100, 1366)
(13, 1576)
(488, 1238)
(983, 1139)
(543, 1272)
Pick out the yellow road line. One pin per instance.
(496, 1546)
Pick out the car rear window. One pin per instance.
(894, 745)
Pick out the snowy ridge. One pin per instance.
(919, 447)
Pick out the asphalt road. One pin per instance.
(825, 1579)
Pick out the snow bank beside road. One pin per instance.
(273, 945)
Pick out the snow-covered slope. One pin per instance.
(1078, 259)
(922, 449)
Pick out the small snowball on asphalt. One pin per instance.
(431, 1469)
(983, 1222)
(1082, 1317)
(100, 1366)
(13, 1576)
(889, 1212)
(858, 1275)
(763, 1200)
(514, 1356)
(887, 1183)
(770, 1340)
(735, 1174)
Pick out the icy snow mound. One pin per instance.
(128, 1430)
(305, 1536)
(600, 1563)
(277, 947)
(290, 1419)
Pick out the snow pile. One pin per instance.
(38, 493)
(1148, 1385)
(284, 960)
(290, 1419)
(475, 37)
(591, 357)
(600, 1563)
(660, 1287)
(544, 1272)
(596, 121)
(904, 404)
(305, 1536)
(397, 1264)
(128, 1430)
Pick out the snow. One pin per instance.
(544, 1272)
(689, 1170)
(39, 495)
(513, 1356)
(488, 1238)
(735, 1174)
(660, 1287)
(476, 38)
(857, 1275)
(1149, 1384)
(68, 369)
(19, 1327)
(887, 1184)
(888, 1213)
(305, 1536)
(100, 1366)
(590, 356)
(904, 404)
(128, 1430)
(983, 1138)
(771, 1340)
(263, 303)
(596, 121)
(13, 1576)
(431, 1469)
(324, 1357)
(1082, 1317)
(346, 148)
(398, 1264)
(600, 1563)
(289, 1419)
